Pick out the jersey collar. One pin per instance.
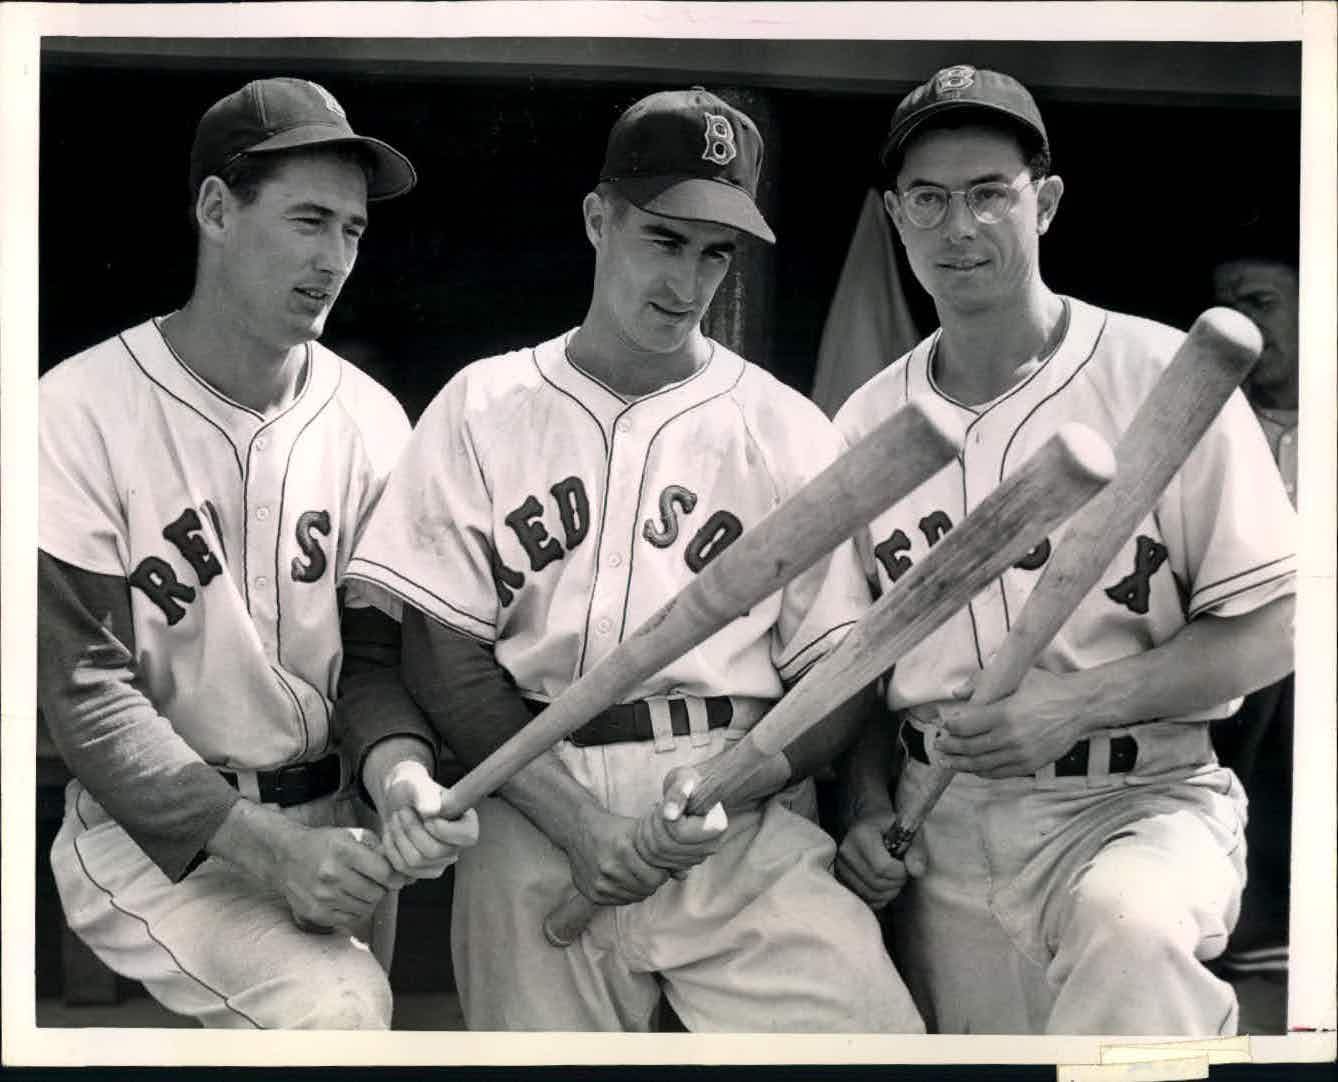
(160, 364)
(719, 374)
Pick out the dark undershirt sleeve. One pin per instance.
(127, 755)
(373, 704)
(813, 751)
(468, 697)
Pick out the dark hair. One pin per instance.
(246, 174)
(619, 202)
(1035, 154)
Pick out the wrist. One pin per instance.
(389, 759)
(254, 838)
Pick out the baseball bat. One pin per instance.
(1014, 518)
(886, 465)
(1218, 351)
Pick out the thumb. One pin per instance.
(964, 689)
(679, 784)
(366, 837)
(917, 860)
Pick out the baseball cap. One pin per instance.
(283, 114)
(688, 154)
(962, 87)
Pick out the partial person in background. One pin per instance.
(203, 477)
(1257, 743)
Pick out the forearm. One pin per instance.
(378, 722)
(867, 771)
(826, 741)
(1210, 661)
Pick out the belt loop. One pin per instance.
(1098, 758)
(661, 725)
(698, 728)
(248, 785)
(1046, 775)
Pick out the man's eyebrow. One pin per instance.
(656, 230)
(323, 211)
(984, 178)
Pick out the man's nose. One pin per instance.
(959, 221)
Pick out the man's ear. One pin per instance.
(892, 205)
(211, 203)
(597, 215)
(1048, 194)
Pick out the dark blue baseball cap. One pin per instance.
(287, 114)
(688, 154)
(964, 88)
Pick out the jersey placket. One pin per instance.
(261, 500)
(628, 447)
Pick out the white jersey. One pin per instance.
(537, 511)
(232, 529)
(1221, 539)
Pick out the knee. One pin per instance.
(349, 993)
(1130, 913)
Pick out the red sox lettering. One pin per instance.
(158, 580)
(1131, 591)
(720, 530)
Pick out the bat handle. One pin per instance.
(564, 925)
(901, 833)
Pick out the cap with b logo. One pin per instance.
(962, 87)
(688, 154)
(285, 114)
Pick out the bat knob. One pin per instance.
(1231, 334)
(1086, 454)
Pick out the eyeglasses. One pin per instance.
(926, 205)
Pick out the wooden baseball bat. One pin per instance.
(1004, 527)
(1219, 350)
(886, 465)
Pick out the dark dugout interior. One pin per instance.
(1167, 151)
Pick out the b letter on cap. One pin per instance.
(720, 146)
(958, 77)
(329, 100)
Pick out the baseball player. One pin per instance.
(549, 501)
(203, 477)
(1091, 855)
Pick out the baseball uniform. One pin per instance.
(230, 531)
(545, 516)
(1083, 899)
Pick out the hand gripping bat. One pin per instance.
(1003, 528)
(1220, 348)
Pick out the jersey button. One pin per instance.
(604, 626)
(261, 582)
(262, 513)
(261, 443)
(616, 559)
(624, 426)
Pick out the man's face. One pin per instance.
(966, 265)
(1267, 293)
(287, 255)
(655, 276)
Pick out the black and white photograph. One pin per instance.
(665, 533)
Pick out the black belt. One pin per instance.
(628, 722)
(297, 784)
(1074, 763)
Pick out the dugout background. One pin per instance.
(1166, 150)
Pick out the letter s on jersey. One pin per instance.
(308, 525)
